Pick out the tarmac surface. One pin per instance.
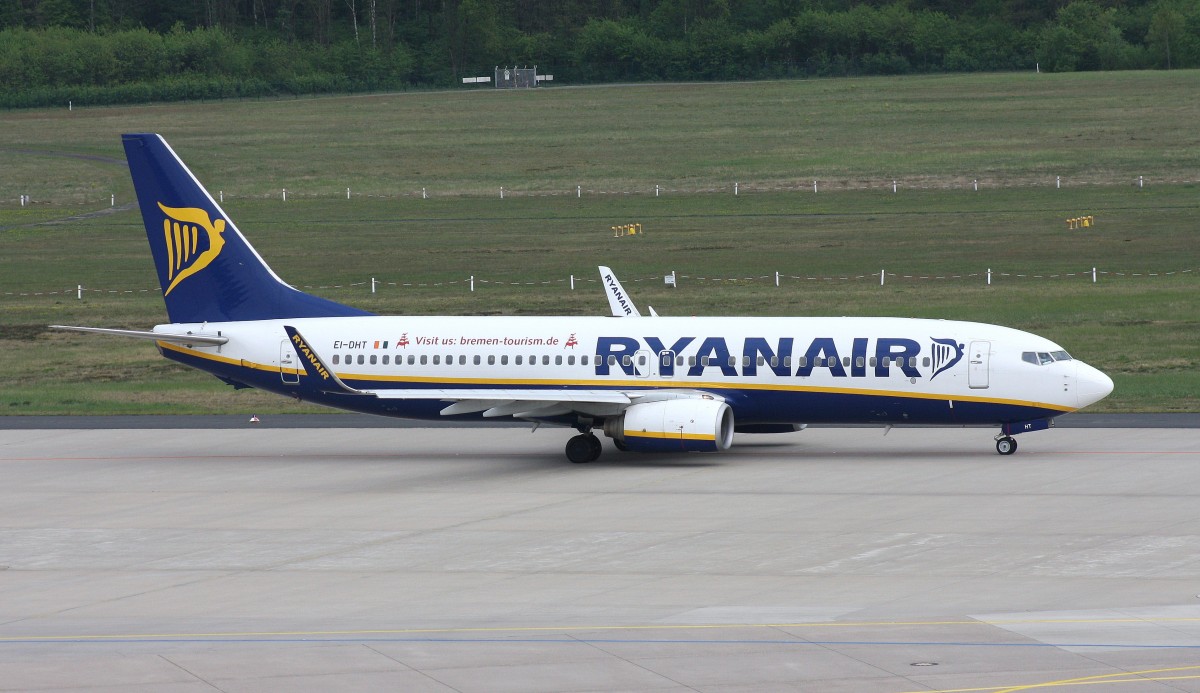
(247, 558)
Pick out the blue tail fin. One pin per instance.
(207, 269)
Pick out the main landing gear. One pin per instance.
(1006, 445)
(584, 447)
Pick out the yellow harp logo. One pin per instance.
(181, 230)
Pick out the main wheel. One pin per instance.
(584, 447)
(1006, 445)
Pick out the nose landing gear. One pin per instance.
(1006, 445)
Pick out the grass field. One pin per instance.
(1013, 133)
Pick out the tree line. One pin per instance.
(112, 51)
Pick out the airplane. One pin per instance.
(619, 301)
(667, 384)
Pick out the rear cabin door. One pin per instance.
(288, 363)
(977, 367)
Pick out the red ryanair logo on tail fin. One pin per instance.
(189, 251)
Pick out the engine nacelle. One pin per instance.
(687, 425)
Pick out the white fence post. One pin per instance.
(285, 194)
(882, 274)
(989, 276)
(79, 292)
(578, 191)
(372, 284)
(893, 187)
(347, 193)
(1057, 182)
(1093, 275)
(424, 196)
(221, 194)
(656, 190)
(735, 189)
(572, 282)
(472, 282)
(113, 201)
(777, 279)
(814, 186)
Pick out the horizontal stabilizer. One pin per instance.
(174, 338)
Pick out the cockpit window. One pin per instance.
(1041, 358)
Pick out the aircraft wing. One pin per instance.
(540, 403)
(522, 403)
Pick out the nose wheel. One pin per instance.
(584, 447)
(1006, 445)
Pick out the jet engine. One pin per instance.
(676, 425)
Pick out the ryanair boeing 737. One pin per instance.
(660, 384)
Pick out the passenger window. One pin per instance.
(703, 360)
(504, 359)
(846, 361)
(477, 359)
(691, 360)
(411, 359)
(571, 360)
(437, 360)
(612, 359)
(583, 360)
(678, 360)
(462, 360)
(518, 360)
(361, 360)
(372, 359)
(626, 361)
(424, 359)
(802, 361)
(491, 359)
(787, 361)
(546, 360)
(558, 360)
(335, 359)
(925, 362)
(912, 361)
(873, 362)
(732, 360)
(860, 361)
(641, 359)
(387, 359)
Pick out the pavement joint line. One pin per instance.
(568, 629)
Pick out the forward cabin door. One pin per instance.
(977, 368)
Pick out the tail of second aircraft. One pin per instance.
(207, 269)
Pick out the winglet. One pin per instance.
(315, 367)
(618, 301)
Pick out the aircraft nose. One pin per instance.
(1092, 385)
